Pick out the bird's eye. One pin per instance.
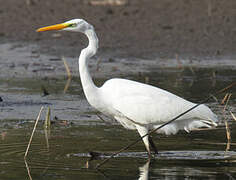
(73, 25)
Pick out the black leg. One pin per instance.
(152, 145)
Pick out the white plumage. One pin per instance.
(147, 105)
(135, 105)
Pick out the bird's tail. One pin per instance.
(203, 117)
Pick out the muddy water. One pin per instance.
(63, 152)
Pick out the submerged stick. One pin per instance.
(154, 130)
(35, 125)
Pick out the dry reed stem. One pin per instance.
(47, 122)
(227, 128)
(87, 165)
(224, 99)
(28, 170)
(226, 104)
(227, 131)
(227, 101)
(47, 134)
(67, 85)
(35, 125)
(47, 125)
(228, 144)
(234, 117)
(67, 67)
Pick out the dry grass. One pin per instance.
(225, 101)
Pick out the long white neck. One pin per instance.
(89, 87)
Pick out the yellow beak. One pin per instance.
(53, 27)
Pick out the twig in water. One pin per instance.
(47, 125)
(227, 128)
(67, 85)
(154, 130)
(28, 170)
(227, 135)
(225, 98)
(67, 68)
(228, 97)
(35, 125)
(47, 134)
(68, 74)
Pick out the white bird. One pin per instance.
(135, 105)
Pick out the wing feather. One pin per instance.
(143, 103)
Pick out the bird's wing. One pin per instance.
(150, 110)
(145, 104)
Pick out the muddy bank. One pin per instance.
(131, 28)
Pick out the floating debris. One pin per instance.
(44, 91)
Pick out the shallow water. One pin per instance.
(63, 152)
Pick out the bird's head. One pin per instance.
(76, 25)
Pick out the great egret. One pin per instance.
(135, 105)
